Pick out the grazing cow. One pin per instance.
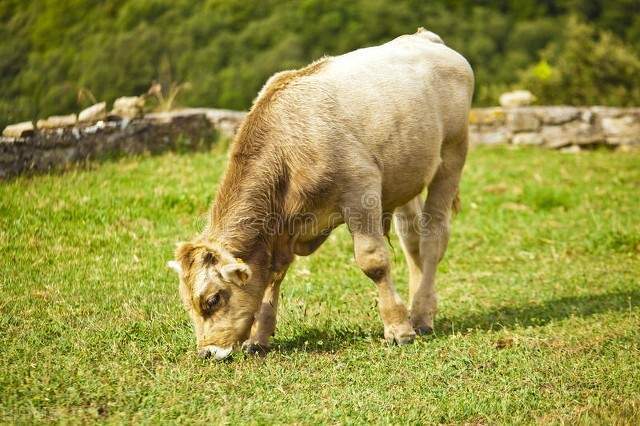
(349, 139)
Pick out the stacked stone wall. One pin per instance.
(56, 142)
(556, 126)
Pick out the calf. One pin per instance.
(350, 139)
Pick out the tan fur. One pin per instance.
(344, 140)
(280, 81)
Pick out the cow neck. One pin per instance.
(249, 203)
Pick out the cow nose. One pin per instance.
(215, 351)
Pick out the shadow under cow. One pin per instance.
(331, 339)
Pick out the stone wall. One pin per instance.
(42, 148)
(556, 127)
(59, 141)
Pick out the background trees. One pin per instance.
(565, 51)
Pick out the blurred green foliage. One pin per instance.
(589, 67)
(566, 51)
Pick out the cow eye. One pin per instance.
(213, 301)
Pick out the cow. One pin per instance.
(352, 139)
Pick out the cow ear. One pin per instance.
(173, 264)
(237, 273)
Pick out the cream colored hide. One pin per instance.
(350, 139)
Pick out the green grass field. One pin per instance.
(539, 304)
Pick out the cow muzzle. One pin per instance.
(216, 352)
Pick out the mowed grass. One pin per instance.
(539, 304)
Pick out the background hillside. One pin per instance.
(565, 51)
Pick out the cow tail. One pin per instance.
(456, 205)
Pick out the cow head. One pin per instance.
(219, 292)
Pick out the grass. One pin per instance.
(539, 304)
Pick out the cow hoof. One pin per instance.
(423, 330)
(404, 340)
(252, 348)
(399, 335)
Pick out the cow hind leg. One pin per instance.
(442, 199)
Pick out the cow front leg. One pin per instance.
(407, 221)
(373, 258)
(264, 324)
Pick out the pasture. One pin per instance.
(539, 304)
